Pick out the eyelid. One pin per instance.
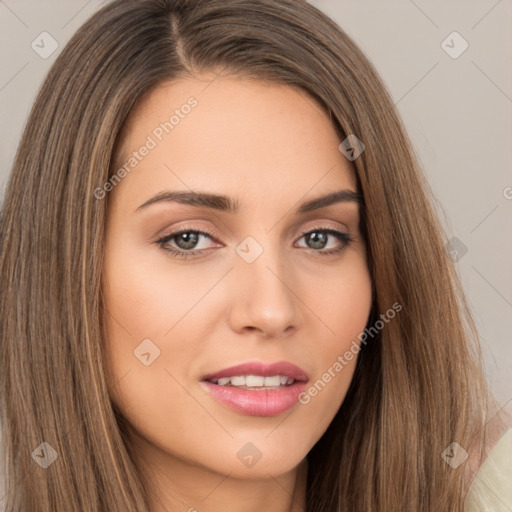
(323, 225)
(343, 237)
(211, 232)
(187, 228)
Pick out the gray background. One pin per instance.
(457, 112)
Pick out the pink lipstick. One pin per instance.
(256, 388)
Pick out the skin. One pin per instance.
(271, 147)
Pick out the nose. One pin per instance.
(263, 301)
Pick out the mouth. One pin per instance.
(257, 389)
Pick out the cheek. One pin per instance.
(342, 301)
(148, 312)
(147, 296)
(151, 327)
(339, 302)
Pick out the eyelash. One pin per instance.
(345, 238)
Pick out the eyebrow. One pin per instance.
(231, 205)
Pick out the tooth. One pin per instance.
(239, 380)
(272, 381)
(254, 381)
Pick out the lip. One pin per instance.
(258, 402)
(258, 368)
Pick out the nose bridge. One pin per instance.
(263, 298)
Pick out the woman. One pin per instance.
(211, 197)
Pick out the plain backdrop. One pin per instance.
(457, 108)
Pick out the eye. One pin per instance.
(318, 238)
(184, 240)
(183, 243)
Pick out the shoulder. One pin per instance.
(491, 486)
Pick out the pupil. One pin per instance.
(316, 240)
(319, 240)
(190, 240)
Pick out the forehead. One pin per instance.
(231, 135)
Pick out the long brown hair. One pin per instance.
(418, 385)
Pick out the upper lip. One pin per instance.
(263, 369)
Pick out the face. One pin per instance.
(253, 274)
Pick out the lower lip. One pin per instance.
(263, 402)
